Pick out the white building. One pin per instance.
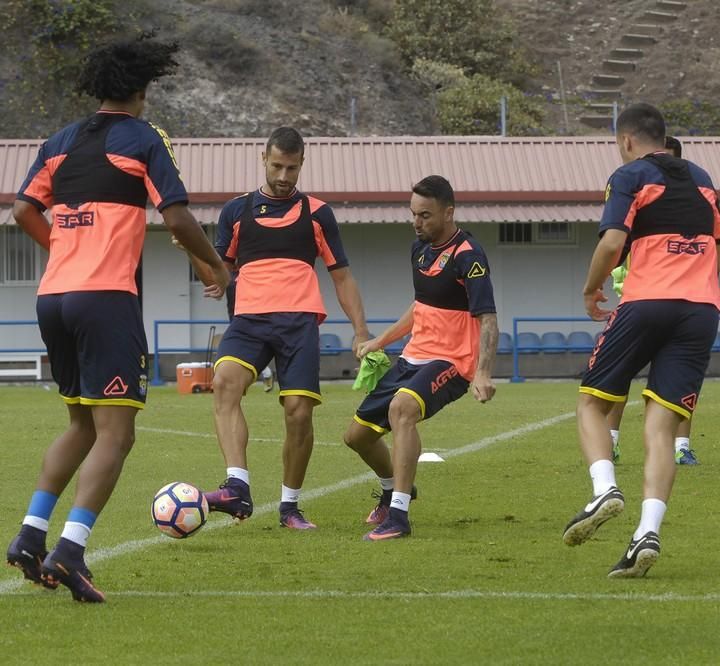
(533, 203)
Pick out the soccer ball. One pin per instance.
(179, 509)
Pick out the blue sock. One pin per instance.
(85, 516)
(40, 509)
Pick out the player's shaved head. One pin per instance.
(643, 121)
(287, 140)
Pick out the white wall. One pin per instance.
(166, 288)
(528, 281)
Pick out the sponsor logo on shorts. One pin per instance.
(117, 387)
(689, 401)
(686, 247)
(443, 378)
(73, 220)
(142, 388)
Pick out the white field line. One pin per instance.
(102, 554)
(669, 597)
(207, 435)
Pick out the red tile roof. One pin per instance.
(495, 178)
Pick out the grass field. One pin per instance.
(485, 578)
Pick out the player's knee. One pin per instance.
(404, 411)
(350, 440)
(231, 382)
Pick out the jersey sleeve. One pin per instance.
(327, 238)
(619, 211)
(37, 186)
(162, 178)
(473, 270)
(228, 229)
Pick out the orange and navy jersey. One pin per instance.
(273, 242)
(669, 209)
(96, 176)
(452, 288)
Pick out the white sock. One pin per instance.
(266, 373)
(34, 521)
(290, 494)
(76, 532)
(239, 473)
(602, 473)
(385, 484)
(400, 501)
(653, 512)
(615, 434)
(682, 443)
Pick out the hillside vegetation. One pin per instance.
(365, 67)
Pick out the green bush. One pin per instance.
(685, 116)
(472, 106)
(470, 34)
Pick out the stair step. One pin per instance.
(646, 29)
(672, 5)
(602, 108)
(597, 121)
(664, 17)
(605, 93)
(608, 80)
(619, 65)
(626, 54)
(638, 39)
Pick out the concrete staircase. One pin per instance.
(625, 60)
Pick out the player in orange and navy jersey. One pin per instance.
(668, 317)
(454, 333)
(96, 175)
(684, 454)
(272, 237)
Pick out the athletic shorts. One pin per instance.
(97, 346)
(433, 385)
(291, 338)
(674, 336)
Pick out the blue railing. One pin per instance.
(158, 349)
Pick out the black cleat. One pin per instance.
(601, 508)
(638, 558)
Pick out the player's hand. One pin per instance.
(591, 305)
(213, 291)
(483, 388)
(366, 347)
(358, 339)
(221, 279)
(177, 243)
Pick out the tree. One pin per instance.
(470, 34)
(51, 39)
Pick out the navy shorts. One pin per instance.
(291, 338)
(433, 385)
(674, 336)
(97, 346)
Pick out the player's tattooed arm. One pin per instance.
(483, 388)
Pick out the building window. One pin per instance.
(515, 233)
(541, 233)
(22, 260)
(556, 233)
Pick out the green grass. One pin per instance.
(485, 578)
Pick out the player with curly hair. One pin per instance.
(96, 176)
